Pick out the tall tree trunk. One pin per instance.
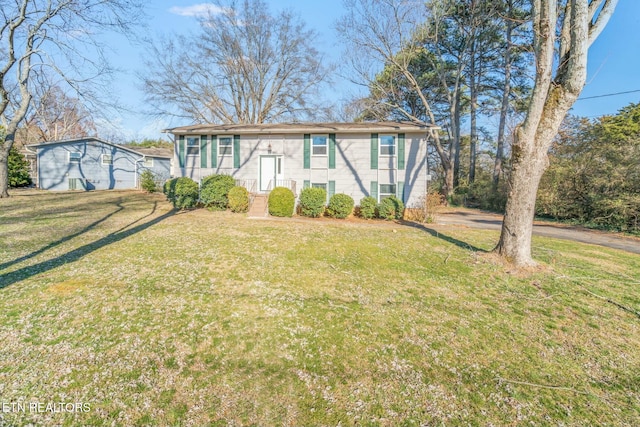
(4, 169)
(455, 143)
(504, 109)
(473, 114)
(515, 237)
(552, 98)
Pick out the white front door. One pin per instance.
(267, 171)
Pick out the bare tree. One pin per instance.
(243, 66)
(40, 37)
(54, 116)
(383, 33)
(568, 28)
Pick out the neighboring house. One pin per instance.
(359, 159)
(93, 164)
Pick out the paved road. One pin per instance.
(478, 219)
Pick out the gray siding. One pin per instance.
(55, 169)
(353, 174)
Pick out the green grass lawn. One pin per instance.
(154, 317)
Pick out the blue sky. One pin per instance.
(614, 61)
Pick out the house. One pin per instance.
(359, 159)
(93, 164)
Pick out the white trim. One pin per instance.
(326, 144)
(219, 151)
(395, 145)
(102, 160)
(79, 161)
(394, 193)
(188, 146)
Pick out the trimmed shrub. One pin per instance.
(169, 189)
(312, 201)
(281, 202)
(340, 206)
(185, 194)
(148, 181)
(214, 191)
(368, 207)
(238, 199)
(390, 208)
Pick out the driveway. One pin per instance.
(490, 221)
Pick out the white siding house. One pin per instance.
(358, 159)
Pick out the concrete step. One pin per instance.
(259, 207)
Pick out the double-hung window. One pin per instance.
(319, 185)
(225, 146)
(319, 143)
(148, 162)
(74, 157)
(387, 190)
(387, 145)
(193, 146)
(107, 159)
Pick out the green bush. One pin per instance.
(169, 189)
(368, 207)
(340, 206)
(238, 199)
(18, 169)
(148, 181)
(185, 194)
(281, 202)
(312, 201)
(390, 208)
(214, 191)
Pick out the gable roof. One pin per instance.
(146, 152)
(289, 128)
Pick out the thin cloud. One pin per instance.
(201, 10)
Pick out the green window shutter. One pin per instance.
(307, 151)
(401, 151)
(400, 190)
(374, 152)
(332, 151)
(214, 151)
(236, 151)
(306, 184)
(203, 151)
(181, 153)
(332, 188)
(374, 190)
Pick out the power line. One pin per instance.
(608, 94)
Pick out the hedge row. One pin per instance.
(217, 192)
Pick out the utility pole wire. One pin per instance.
(608, 94)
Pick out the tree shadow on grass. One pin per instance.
(449, 239)
(76, 254)
(64, 239)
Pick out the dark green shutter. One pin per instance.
(332, 188)
(332, 151)
(374, 151)
(401, 151)
(214, 151)
(236, 151)
(181, 148)
(374, 190)
(307, 151)
(306, 184)
(400, 190)
(203, 151)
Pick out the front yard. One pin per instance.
(154, 317)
